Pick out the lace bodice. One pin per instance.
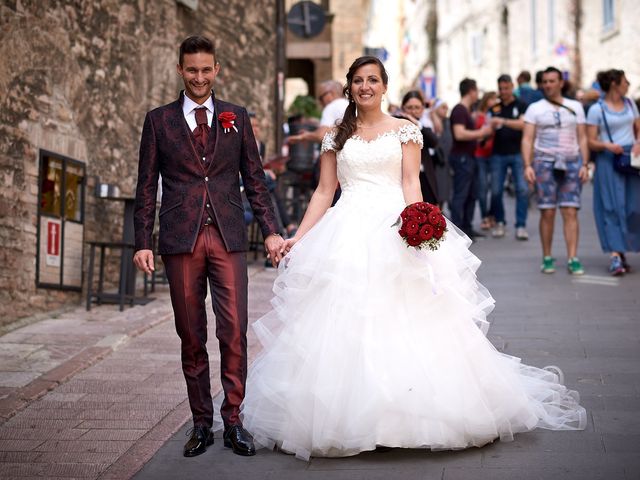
(372, 164)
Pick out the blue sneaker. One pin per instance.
(616, 268)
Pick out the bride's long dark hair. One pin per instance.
(347, 126)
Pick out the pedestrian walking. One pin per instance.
(525, 93)
(508, 120)
(200, 145)
(413, 109)
(483, 154)
(613, 130)
(333, 105)
(555, 152)
(442, 128)
(462, 159)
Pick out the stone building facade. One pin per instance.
(484, 38)
(76, 78)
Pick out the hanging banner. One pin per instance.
(53, 242)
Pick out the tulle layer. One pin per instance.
(372, 343)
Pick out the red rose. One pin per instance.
(227, 116)
(227, 119)
(435, 218)
(420, 218)
(438, 232)
(426, 232)
(413, 212)
(402, 232)
(411, 227)
(423, 207)
(414, 240)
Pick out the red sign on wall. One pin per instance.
(53, 243)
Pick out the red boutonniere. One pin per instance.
(228, 120)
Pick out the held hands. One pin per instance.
(282, 250)
(274, 247)
(143, 259)
(288, 245)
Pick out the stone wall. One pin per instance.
(76, 78)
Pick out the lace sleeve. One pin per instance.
(410, 133)
(327, 142)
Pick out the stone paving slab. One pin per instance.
(39, 357)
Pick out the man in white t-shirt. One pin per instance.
(333, 104)
(555, 154)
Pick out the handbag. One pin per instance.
(621, 161)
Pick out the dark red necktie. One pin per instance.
(201, 133)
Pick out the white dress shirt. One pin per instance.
(189, 111)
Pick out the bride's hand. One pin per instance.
(287, 245)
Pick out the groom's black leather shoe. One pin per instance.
(201, 438)
(238, 439)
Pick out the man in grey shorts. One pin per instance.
(555, 154)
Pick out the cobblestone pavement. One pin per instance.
(101, 394)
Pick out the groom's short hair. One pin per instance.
(196, 44)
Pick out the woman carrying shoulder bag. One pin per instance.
(613, 129)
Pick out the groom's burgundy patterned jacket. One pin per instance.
(168, 148)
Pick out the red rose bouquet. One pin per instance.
(422, 225)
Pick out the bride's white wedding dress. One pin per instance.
(373, 343)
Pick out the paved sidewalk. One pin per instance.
(589, 326)
(96, 394)
(101, 394)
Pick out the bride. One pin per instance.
(371, 343)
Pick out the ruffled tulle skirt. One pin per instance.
(373, 343)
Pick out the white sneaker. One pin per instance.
(498, 230)
(521, 234)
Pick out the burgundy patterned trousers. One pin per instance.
(226, 273)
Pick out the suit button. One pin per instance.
(204, 159)
(206, 179)
(208, 206)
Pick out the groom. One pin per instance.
(200, 145)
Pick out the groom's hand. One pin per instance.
(143, 259)
(273, 246)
